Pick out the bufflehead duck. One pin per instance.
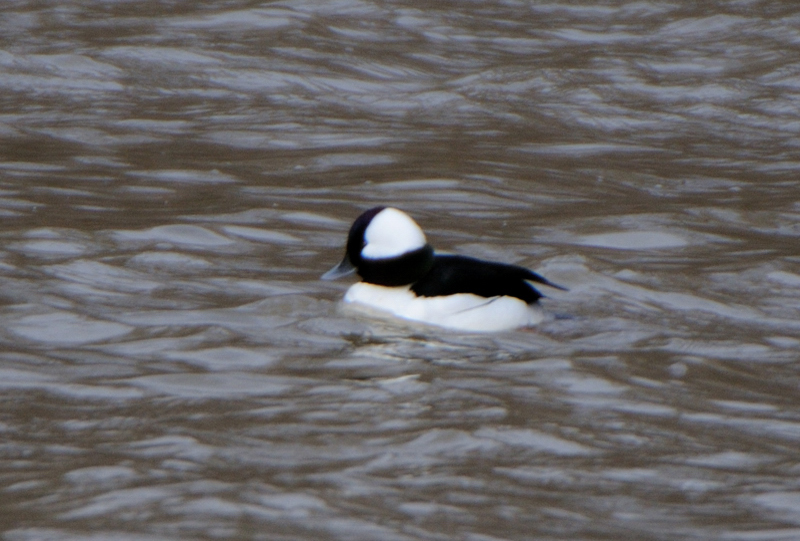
(401, 275)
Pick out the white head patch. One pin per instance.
(392, 233)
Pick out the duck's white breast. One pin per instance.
(463, 311)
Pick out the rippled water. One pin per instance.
(174, 177)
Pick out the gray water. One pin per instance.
(174, 178)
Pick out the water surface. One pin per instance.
(175, 178)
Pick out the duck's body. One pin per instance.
(461, 311)
(403, 277)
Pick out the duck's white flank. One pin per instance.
(463, 311)
(391, 233)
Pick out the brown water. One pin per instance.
(174, 178)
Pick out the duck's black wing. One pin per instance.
(453, 274)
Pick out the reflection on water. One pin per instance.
(174, 179)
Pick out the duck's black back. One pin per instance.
(452, 274)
